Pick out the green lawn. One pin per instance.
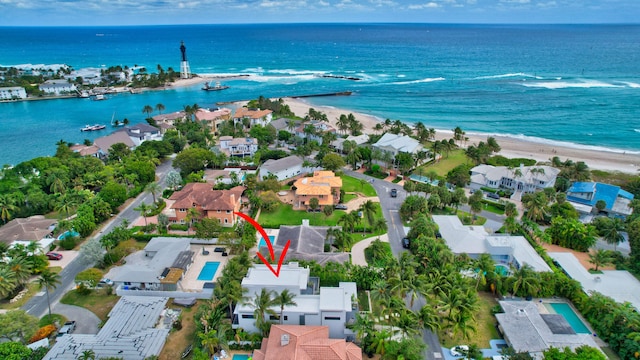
(33, 289)
(490, 207)
(446, 164)
(348, 197)
(485, 329)
(351, 184)
(285, 215)
(98, 302)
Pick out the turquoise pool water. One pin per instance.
(264, 243)
(69, 233)
(208, 270)
(571, 317)
(240, 357)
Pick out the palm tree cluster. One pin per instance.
(481, 152)
(19, 263)
(264, 303)
(349, 124)
(154, 80)
(573, 171)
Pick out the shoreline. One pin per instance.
(610, 160)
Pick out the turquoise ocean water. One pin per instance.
(578, 84)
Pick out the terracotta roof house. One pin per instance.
(104, 143)
(213, 118)
(84, 150)
(34, 228)
(284, 168)
(324, 186)
(170, 118)
(255, 116)
(299, 342)
(244, 146)
(213, 204)
(307, 243)
(334, 307)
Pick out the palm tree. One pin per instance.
(368, 209)
(525, 279)
(8, 281)
(192, 214)
(285, 298)
(262, 303)
(21, 269)
(485, 264)
(143, 208)
(48, 280)
(153, 188)
(215, 339)
(429, 318)
(160, 108)
(536, 206)
(408, 322)
(363, 326)
(87, 355)
(147, 109)
(612, 231)
(7, 207)
(600, 257)
(229, 290)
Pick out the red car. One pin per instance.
(54, 256)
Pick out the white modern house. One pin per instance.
(245, 146)
(12, 93)
(474, 240)
(359, 140)
(57, 87)
(395, 144)
(319, 129)
(284, 168)
(525, 179)
(327, 306)
(140, 133)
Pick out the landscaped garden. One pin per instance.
(445, 164)
(285, 215)
(351, 184)
(99, 302)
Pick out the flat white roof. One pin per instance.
(617, 284)
(524, 253)
(290, 275)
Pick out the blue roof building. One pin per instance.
(589, 193)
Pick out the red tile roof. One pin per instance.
(203, 195)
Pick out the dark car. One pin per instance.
(341, 207)
(54, 256)
(493, 196)
(394, 193)
(405, 243)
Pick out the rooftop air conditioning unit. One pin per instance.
(284, 340)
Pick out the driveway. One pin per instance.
(86, 321)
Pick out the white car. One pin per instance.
(459, 350)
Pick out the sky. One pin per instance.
(160, 12)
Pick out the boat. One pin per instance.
(83, 94)
(114, 122)
(217, 87)
(99, 97)
(95, 127)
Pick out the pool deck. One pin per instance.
(190, 280)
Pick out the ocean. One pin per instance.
(577, 85)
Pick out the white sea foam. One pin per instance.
(636, 130)
(295, 72)
(570, 84)
(520, 74)
(54, 67)
(427, 80)
(631, 84)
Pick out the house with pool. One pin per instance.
(334, 307)
(210, 203)
(474, 240)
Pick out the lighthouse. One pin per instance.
(185, 70)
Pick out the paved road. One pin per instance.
(37, 305)
(86, 321)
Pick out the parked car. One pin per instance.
(54, 256)
(459, 350)
(394, 193)
(105, 282)
(341, 207)
(67, 328)
(405, 243)
(493, 196)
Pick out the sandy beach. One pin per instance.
(511, 147)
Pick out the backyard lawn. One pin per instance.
(285, 215)
(351, 184)
(485, 325)
(446, 164)
(98, 302)
(178, 340)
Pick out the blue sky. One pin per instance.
(141, 12)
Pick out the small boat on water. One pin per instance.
(216, 87)
(95, 127)
(115, 122)
(99, 97)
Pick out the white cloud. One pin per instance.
(429, 5)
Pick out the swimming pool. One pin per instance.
(567, 312)
(264, 243)
(208, 270)
(240, 357)
(67, 234)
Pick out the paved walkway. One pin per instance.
(86, 321)
(354, 204)
(357, 250)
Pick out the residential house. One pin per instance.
(473, 240)
(585, 195)
(306, 243)
(282, 169)
(395, 144)
(296, 342)
(86, 150)
(252, 116)
(334, 307)
(324, 186)
(57, 87)
(12, 93)
(25, 230)
(523, 179)
(90, 75)
(226, 176)
(213, 119)
(359, 140)
(159, 266)
(105, 143)
(170, 118)
(245, 146)
(212, 204)
(529, 327)
(140, 133)
(130, 333)
(319, 128)
(283, 124)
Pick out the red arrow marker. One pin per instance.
(269, 245)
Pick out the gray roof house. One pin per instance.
(528, 327)
(33, 228)
(131, 333)
(284, 168)
(394, 144)
(523, 178)
(474, 240)
(307, 243)
(105, 143)
(359, 140)
(159, 266)
(140, 133)
(334, 307)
